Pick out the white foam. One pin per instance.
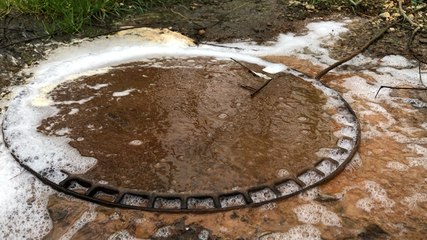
(123, 93)
(231, 201)
(314, 213)
(262, 195)
(282, 173)
(200, 203)
(203, 235)
(397, 166)
(396, 61)
(73, 111)
(86, 217)
(412, 200)
(167, 203)
(121, 235)
(310, 177)
(288, 187)
(23, 202)
(378, 198)
(418, 161)
(326, 167)
(135, 143)
(163, 232)
(98, 86)
(134, 200)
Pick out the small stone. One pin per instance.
(385, 15)
(201, 32)
(310, 7)
(223, 116)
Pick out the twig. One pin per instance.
(340, 62)
(262, 87)
(402, 12)
(22, 170)
(400, 88)
(249, 88)
(247, 68)
(218, 45)
(409, 46)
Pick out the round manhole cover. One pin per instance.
(181, 134)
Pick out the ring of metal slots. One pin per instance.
(111, 196)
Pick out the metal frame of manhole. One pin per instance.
(191, 203)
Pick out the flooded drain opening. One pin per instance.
(180, 134)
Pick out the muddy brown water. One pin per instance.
(186, 125)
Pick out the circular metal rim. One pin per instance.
(152, 197)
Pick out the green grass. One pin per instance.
(71, 15)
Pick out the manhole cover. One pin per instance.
(181, 134)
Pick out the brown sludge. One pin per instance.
(187, 126)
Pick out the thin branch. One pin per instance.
(409, 46)
(246, 67)
(249, 88)
(402, 12)
(401, 88)
(262, 87)
(218, 45)
(346, 59)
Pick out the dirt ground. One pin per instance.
(224, 21)
(24, 41)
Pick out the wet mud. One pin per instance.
(381, 194)
(187, 126)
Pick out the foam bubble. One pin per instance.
(313, 213)
(310, 177)
(200, 203)
(98, 86)
(203, 235)
(397, 166)
(163, 232)
(395, 61)
(326, 167)
(167, 203)
(123, 93)
(134, 200)
(378, 197)
(262, 195)
(121, 235)
(230, 201)
(288, 187)
(135, 143)
(86, 217)
(412, 201)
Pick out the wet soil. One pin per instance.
(394, 195)
(380, 195)
(187, 126)
(24, 40)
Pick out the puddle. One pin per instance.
(188, 126)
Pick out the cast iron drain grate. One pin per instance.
(181, 135)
